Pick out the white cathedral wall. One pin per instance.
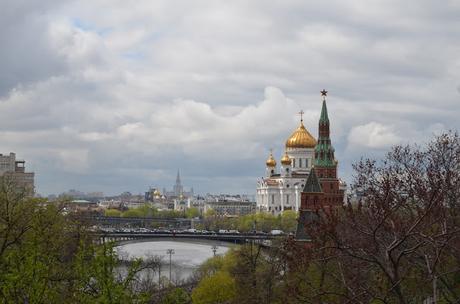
(276, 199)
(299, 158)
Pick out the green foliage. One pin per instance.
(112, 212)
(147, 211)
(288, 221)
(261, 221)
(218, 288)
(33, 266)
(192, 212)
(210, 213)
(176, 296)
(95, 268)
(218, 263)
(171, 214)
(48, 257)
(132, 213)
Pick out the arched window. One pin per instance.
(300, 163)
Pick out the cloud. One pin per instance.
(122, 99)
(373, 135)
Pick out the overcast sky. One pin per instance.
(111, 96)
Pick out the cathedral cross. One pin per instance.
(301, 115)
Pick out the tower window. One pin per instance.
(306, 162)
(287, 170)
(273, 171)
(293, 162)
(300, 163)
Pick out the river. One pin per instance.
(188, 255)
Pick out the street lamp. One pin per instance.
(214, 249)
(170, 252)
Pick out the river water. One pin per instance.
(188, 255)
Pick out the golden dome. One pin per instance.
(156, 193)
(285, 160)
(301, 138)
(271, 162)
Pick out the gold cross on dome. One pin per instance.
(301, 115)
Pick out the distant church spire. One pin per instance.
(178, 189)
(178, 178)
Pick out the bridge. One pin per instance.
(112, 221)
(239, 238)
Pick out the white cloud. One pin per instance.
(160, 85)
(373, 135)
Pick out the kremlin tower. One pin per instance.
(323, 190)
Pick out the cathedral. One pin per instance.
(306, 163)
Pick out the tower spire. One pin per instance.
(324, 118)
(324, 152)
(178, 178)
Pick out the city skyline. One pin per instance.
(119, 101)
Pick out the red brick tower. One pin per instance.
(321, 191)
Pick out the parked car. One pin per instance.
(276, 232)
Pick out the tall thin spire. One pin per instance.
(324, 117)
(178, 178)
(324, 152)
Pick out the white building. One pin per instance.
(281, 187)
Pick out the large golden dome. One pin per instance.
(271, 162)
(301, 138)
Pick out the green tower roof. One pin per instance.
(324, 118)
(312, 185)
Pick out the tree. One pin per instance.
(176, 296)
(49, 257)
(112, 212)
(218, 288)
(401, 241)
(97, 282)
(192, 212)
(133, 213)
(288, 221)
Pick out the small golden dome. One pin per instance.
(301, 138)
(156, 193)
(285, 160)
(271, 162)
